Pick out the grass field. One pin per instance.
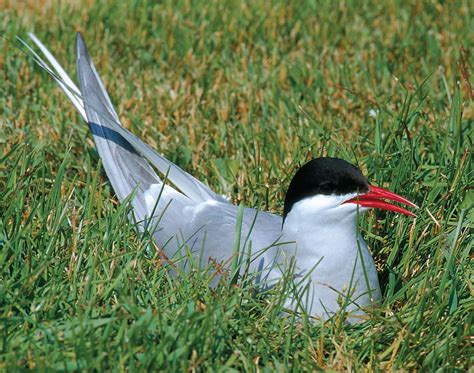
(239, 94)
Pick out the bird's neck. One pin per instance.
(319, 236)
(320, 229)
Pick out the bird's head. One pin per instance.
(332, 190)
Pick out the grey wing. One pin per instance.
(123, 155)
(212, 229)
(99, 107)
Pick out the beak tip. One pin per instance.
(374, 198)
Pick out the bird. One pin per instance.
(315, 243)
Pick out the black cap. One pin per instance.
(324, 176)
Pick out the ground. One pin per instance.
(239, 94)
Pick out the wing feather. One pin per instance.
(101, 108)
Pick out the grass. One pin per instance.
(239, 94)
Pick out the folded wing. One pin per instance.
(124, 156)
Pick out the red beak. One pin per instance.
(375, 199)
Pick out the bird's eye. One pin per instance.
(327, 187)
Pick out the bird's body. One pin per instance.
(317, 237)
(335, 266)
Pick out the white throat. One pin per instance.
(325, 218)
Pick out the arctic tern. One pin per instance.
(317, 235)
